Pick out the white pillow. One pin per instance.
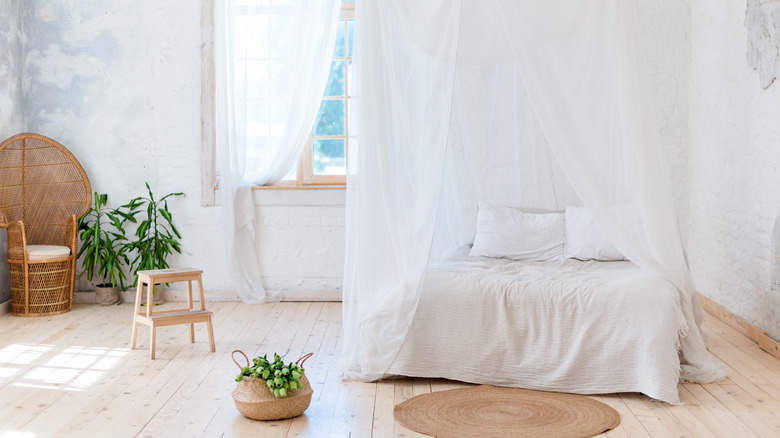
(585, 240)
(504, 232)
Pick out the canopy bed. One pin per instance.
(509, 216)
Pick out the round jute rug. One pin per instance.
(489, 411)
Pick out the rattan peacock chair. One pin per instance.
(43, 192)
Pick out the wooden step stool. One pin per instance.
(170, 317)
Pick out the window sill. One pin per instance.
(318, 187)
(297, 196)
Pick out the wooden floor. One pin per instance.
(74, 375)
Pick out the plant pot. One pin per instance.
(106, 295)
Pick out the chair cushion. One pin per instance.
(46, 252)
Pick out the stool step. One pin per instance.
(169, 275)
(176, 314)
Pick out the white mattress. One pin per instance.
(569, 326)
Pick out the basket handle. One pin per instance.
(300, 361)
(233, 356)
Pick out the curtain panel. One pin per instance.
(272, 63)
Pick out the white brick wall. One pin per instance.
(733, 167)
(722, 140)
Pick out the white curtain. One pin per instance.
(272, 63)
(519, 102)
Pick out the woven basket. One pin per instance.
(254, 400)
(47, 291)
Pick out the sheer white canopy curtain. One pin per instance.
(528, 103)
(272, 62)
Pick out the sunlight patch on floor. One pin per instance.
(16, 434)
(73, 369)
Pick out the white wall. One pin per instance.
(118, 83)
(11, 99)
(733, 167)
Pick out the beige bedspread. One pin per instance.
(569, 326)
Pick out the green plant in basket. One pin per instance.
(279, 378)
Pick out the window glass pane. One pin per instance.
(338, 49)
(281, 25)
(257, 152)
(278, 116)
(240, 35)
(282, 76)
(335, 85)
(250, 39)
(257, 117)
(330, 119)
(349, 77)
(256, 77)
(351, 34)
(328, 157)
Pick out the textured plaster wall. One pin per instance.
(119, 84)
(734, 167)
(11, 99)
(762, 21)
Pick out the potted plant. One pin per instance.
(155, 238)
(99, 248)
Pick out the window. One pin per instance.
(323, 161)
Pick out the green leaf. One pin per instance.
(142, 228)
(175, 231)
(170, 194)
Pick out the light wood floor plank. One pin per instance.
(105, 389)
(645, 415)
(320, 413)
(675, 421)
(745, 346)
(404, 390)
(717, 426)
(383, 410)
(629, 424)
(326, 381)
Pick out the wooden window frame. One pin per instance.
(208, 111)
(306, 179)
(305, 172)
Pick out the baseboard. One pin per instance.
(287, 295)
(311, 295)
(175, 295)
(750, 331)
(5, 307)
